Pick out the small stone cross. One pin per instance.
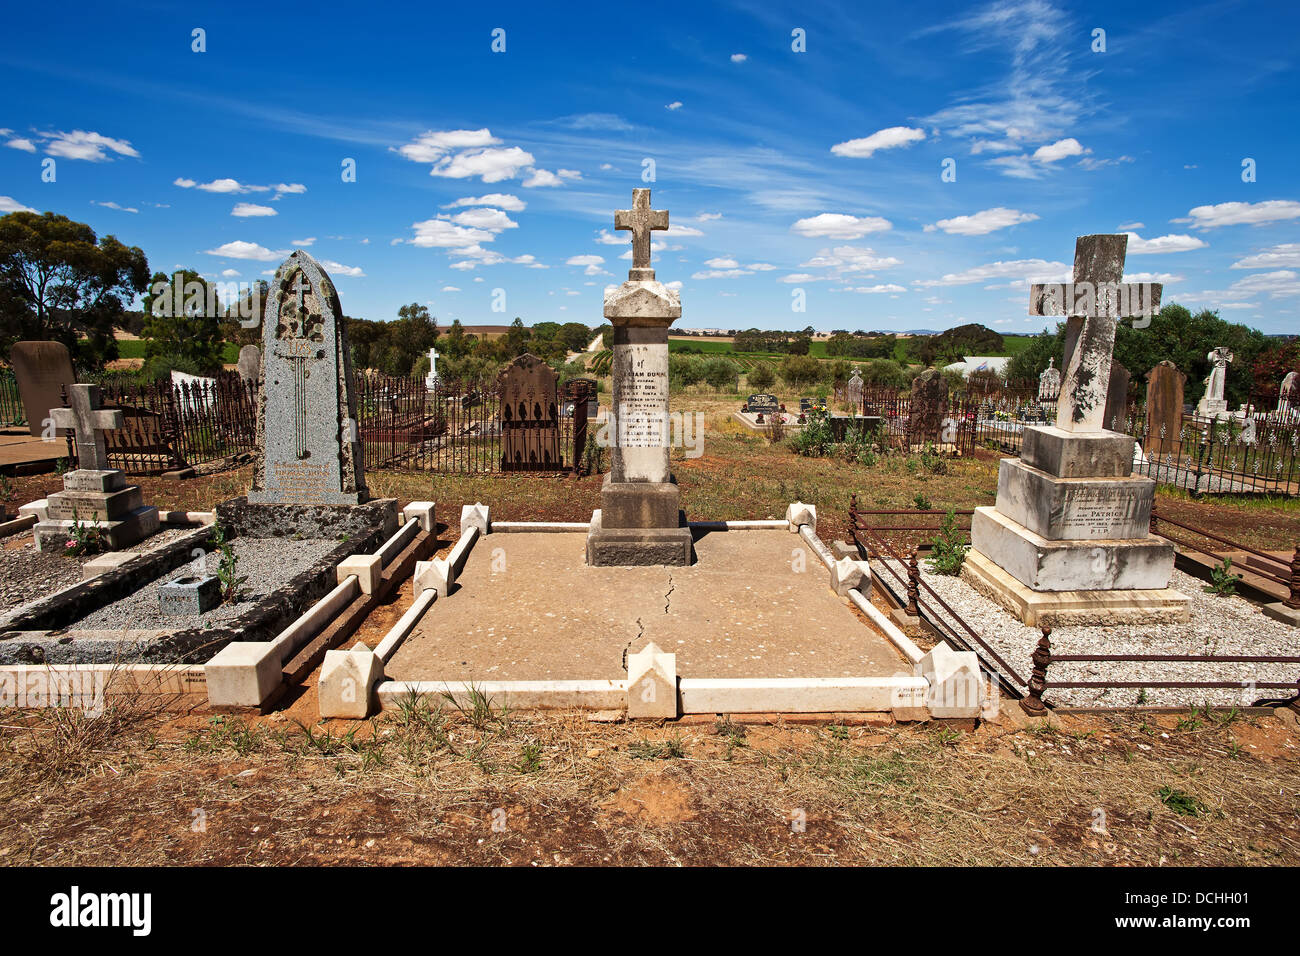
(89, 422)
(302, 287)
(1092, 305)
(640, 220)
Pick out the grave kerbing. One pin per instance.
(640, 521)
(309, 451)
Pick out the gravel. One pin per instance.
(27, 574)
(1218, 625)
(269, 564)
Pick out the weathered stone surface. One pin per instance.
(640, 504)
(638, 431)
(1116, 414)
(651, 683)
(84, 479)
(368, 568)
(438, 574)
(422, 511)
(243, 674)
(134, 527)
(89, 422)
(1046, 565)
(250, 363)
(928, 407)
(530, 417)
(1212, 403)
(42, 371)
(251, 520)
(476, 515)
(1165, 397)
(848, 574)
(347, 682)
(94, 505)
(641, 221)
(956, 684)
(1104, 454)
(1075, 509)
(102, 563)
(638, 547)
(309, 452)
(189, 595)
(800, 513)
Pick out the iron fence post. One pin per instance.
(913, 584)
(1033, 704)
(1293, 599)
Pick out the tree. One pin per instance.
(59, 281)
(761, 377)
(182, 328)
(575, 336)
(517, 338)
(720, 373)
(800, 370)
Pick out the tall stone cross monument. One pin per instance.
(1069, 537)
(308, 448)
(640, 521)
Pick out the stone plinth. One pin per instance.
(1074, 509)
(1102, 454)
(100, 498)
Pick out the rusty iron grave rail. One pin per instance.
(1043, 658)
(1287, 575)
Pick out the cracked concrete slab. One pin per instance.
(529, 608)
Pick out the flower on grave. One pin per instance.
(71, 543)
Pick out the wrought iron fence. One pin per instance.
(11, 404)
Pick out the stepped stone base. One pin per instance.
(638, 547)
(1058, 608)
(1075, 509)
(1136, 564)
(138, 524)
(1103, 454)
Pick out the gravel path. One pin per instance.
(27, 574)
(269, 564)
(1218, 625)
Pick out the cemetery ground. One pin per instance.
(438, 784)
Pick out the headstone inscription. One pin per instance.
(530, 417)
(1164, 422)
(93, 494)
(42, 370)
(762, 403)
(640, 520)
(308, 448)
(1070, 514)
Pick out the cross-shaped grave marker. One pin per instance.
(89, 422)
(1092, 305)
(640, 220)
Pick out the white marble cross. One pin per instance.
(640, 220)
(89, 422)
(1092, 305)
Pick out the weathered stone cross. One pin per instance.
(641, 220)
(1092, 305)
(302, 287)
(89, 422)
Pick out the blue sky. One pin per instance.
(489, 178)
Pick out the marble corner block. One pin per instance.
(651, 683)
(243, 674)
(956, 686)
(369, 569)
(423, 512)
(347, 682)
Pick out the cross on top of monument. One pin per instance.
(301, 286)
(89, 422)
(1092, 305)
(640, 220)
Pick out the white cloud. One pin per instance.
(26, 145)
(1023, 270)
(873, 289)
(761, 266)
(607, 238)
(184, 183)
(834, 225)
(432, 146)
(721, 274)
(738, 58)
(485, 217)
(542, 177)
(1131, 226)
(1059, 150)
(294, 189)
(229, 273)
(489, 165)
(569, 173)
(591, 261)
(889, 138)
(674, 105)
(1168, 278)
(439, 233)
(450, 288)
(80, 144)
(238, 249)
(337, 268)
(678, 231)
(722, 263)
(246, 209)
(983, 222)
(803, 277)
(706, 216)
(302, 243)
(505, 201)
(1137, 246)
(1285, 255)
(842, 259)
(1242, 213)
(113, 205)
(9, 204)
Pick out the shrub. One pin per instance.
(760, 378)
(949, 547)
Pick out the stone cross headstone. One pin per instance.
(1288, 397)
(1092, 305)
(1164, 424)
(1070, 515)
(89, 422)
(250, 363)
(640, 520)
(42, 371)
(1213, 404)
(1049, 383)
(431, 380)
(928, 407)
(308, 447)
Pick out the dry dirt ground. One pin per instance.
(426, 786)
